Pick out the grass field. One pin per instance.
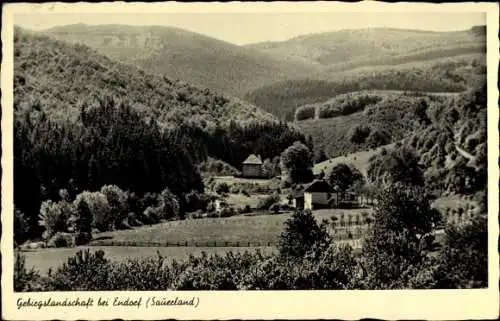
(242, 229)
(240, 180)
(241, 200)
(44, 259)
(359, 160)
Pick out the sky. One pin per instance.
(245, 28)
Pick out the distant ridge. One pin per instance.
(185, 55)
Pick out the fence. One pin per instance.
(182, 244)
(347, 236)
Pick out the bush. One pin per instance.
(195, 201)
(245, 210)
(20, 227)
(118, 203)
(305, 112)
(168, 205)
(227, 211)
(86, 271)
(217, 167)
(62, 240)
(275, 208)
(25, 280)
(52, 218)
(359, 134)
(100, 210)
(221, 187)
(266, 202)
(245, 192)
(301, 233)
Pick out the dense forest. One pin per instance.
(142, 133)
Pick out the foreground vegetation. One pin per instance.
(397, 253)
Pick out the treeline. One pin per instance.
(282, 98)
(399, 252)
(111, 143)
(339, 106)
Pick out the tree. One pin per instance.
(343, 177)
(297, 163)
(320, 156)
(398, 165)
(463, 259)
(118, 202)
(51, 218)
(400, 239)
(20, 227)
(359, 134)
(301, 233)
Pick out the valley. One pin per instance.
(131, 141)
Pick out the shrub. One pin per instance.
(227, 211)
(266, 202)
(359, 134)
(195, 201)
(301, 233)
(218, 168)
(62, 240)
(168, 204)
(117, 200)
(99, 208)
(245, 209)
(153, 215)
(245, 192)
(221, 187)
(275, 208)
(305, 112)
(25, 280)
(20, 227)
(51, 218)
(85, 271)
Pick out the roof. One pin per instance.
(252, 159)
(319, 186)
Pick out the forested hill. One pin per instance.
(346, 49)
(184, 55)
(60, 76)
(83, 121)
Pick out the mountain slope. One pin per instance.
(452, 74)
(58, 77)
(184, 55)
(345, 49)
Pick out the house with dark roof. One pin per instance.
(252, 166)
(317, 194)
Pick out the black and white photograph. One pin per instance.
(249, 151)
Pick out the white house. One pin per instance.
(319, 194)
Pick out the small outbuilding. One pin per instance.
(252, 166)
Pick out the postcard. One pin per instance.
(250, 160)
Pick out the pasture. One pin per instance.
(358, 160)
(242, 229)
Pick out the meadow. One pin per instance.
(51, 258)
(240, 230)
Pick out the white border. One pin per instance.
(407, 304)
